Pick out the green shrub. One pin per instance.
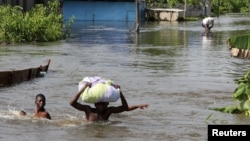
(42, 23)
(242, 96)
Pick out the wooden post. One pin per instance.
(185, 9)
(218, 8)
(137, 16)
(137, 22)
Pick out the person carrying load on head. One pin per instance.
(100, 92)
(208, 23)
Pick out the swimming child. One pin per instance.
(40, 111)
(102, 112)
(207, 23)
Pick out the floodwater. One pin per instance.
(170, 66)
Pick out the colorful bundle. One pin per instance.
(101, 90)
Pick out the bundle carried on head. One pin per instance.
(101, 90)
(208, 21)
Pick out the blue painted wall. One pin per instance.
(100, 10)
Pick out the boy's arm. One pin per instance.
(48, 116)
(76, 104)
(22, 113)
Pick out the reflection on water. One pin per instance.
(101, 32)
(174, 69)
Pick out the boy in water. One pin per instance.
(102, 112)
(40, 111)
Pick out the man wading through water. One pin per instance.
(102, 112)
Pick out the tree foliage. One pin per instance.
(230, 6)
(242, 97)
(170, 3)
(41, 23)
(218, 6)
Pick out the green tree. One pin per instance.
(230, 6)
(218, 6)
(42, 23)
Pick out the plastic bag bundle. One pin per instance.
(101, 90)
(208, 21)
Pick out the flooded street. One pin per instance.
(174, 69)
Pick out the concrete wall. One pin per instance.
(164, 14)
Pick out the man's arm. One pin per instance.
(141, 106)
(203, 25)
(77, 105)
(119, 109)
(125, 107)
(212, 25)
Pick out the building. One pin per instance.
(91, 10)
(102, 10)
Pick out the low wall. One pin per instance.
(162, 14)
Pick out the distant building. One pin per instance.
(91, 10)
(102, 10)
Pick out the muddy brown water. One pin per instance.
(174, 69)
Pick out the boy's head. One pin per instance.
(40, 101)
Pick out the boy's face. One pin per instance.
(40, 102)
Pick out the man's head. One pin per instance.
(40, 101)
(100, 106)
